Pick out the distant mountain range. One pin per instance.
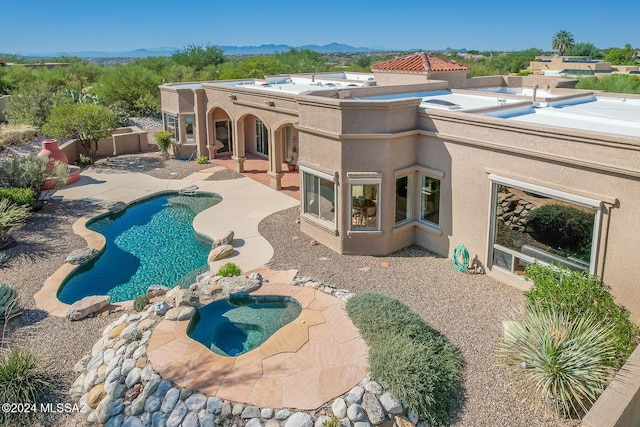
(264, 49)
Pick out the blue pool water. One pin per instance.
(240, 324)
(152, 242)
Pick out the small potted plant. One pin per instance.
(291, 165)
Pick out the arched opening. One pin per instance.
(221, 134)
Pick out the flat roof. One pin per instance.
(186, 85)
(445, 100)
(300, 84)
(619, 116)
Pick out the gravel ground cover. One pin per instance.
(468, 309)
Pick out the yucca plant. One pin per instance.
(21, 377)
(567, 362)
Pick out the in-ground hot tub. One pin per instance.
(241, 323)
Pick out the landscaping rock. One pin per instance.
(250, 412)
(170, 400)
(173, 313)
(133, 377)
(159, 419)
(254, 422)
(145, 325)
(177, 415)
(87, 306)
(152, 404)
(116, 207)
(412, 416)
(187, 298)
(80, 256)
(355, 412)
(160, 308)
(152, 384)
(402, 421)
(96, 394)
(138, 405)
(373, 388)
(237, 409)
(163, 388)
(339, 408)
(373, 408)
(321, 420)
(132, 422)
(116, 421)
(220, 252)
(355, 394)
(186, 313)
(282, 414)
(256, 276)
(225, 238)
(127, 366)
(101, 410)
(238, 285)
(211, 289)
(267, 413)
(391, 404)
(196, 402)
(156, 291)
(208, 421)
(299, 419)
(214, 405)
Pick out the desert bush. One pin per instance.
(202, 160)
(561, 226)
(566, 361)
(163, 141)
(22, 380)
(579, 294)
(229, 270)
(420, 366)
(31, 172)
(11, 215)
(140, 302)
(19, 196)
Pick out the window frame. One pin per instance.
(432, 174)
(188, 141)
(365, 181)
(175, 119)
(320, 175)
(496, 180)
(409, 208)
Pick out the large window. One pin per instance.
(403, 202)
(319, 195)
(171, 126)
(262, 138)
(430, 200)
(365, 204)
(532, 224)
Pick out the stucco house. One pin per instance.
(438, 162)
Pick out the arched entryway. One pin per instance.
(221, 135)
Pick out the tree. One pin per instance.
(88, 123)
(585, 49)
(132, 87)
(619, 56)
(562, 41)
(198, 57)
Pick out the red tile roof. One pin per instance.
(417, 63)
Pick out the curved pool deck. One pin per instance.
(306, 363)
(244, 204)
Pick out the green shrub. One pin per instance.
(580, 294)
(84, 160)
(19, 196)
(22, 380)
(31, 172)
(163, 141)
(140, 302)
(202, 160)
(567, 361)
(333, 421)
(420, 366)
(561, 226)
(229, 270)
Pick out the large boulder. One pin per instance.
(187, 298)
(225, 238)
(87, 306)
(80, 256)
(238, 285)
(220, 252)
(156, 291)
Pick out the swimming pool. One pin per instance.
(152, 242)
(241, 323)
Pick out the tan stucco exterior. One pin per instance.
(343, 139)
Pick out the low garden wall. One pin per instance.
(619, 405)
(126, 140)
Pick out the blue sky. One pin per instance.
(118, 25)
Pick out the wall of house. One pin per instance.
(599, 167)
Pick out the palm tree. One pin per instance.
(562, 41)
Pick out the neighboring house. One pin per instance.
(419, 68)
(568, 65)
(387, 166)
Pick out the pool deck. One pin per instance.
(244, 204)
(306, 363)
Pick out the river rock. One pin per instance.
(220, 252)
(87, 306)
(191, 420)
(267, 413)
(355, 394)
(339, 408)
(115, 421)
(196, 402)
(160, 308)
(254, 422)
(238, 285)
(321, 420)
(250, 412)
(177, 415)
(138, 405)
(355, 412)
(224, 238)
(133, 377)
(214, 405)
(186, 313)
(283, 414)
(170, 400)
(391, 404)
(95, 396)
(80, 256)
(299, 419)
(373, 408)
(163, 388)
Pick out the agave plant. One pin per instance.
(567, 362)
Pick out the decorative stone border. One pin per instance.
(307, 362)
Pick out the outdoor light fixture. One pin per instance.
(232, 97)
(270, 103)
